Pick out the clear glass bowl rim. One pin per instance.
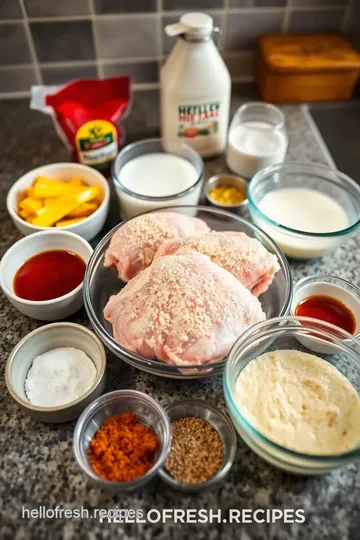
(109, 340)
(100, 403)
(263, 173)
(160, 140)
(269, 106)
(331, 330)
(222, 472)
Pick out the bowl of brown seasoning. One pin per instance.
(203, 446)
(122, 439)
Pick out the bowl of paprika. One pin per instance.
(122, 439)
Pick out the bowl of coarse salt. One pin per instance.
(54, 372)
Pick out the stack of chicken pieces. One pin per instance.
(190, 292)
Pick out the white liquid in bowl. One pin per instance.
(253, 146)
(157, 175)
(305, 210)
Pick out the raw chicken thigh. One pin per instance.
(183, 310)
(133, 246)
(244, 257)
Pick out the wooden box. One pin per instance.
(306, 67)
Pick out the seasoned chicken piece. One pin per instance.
(183, 310)
(242, 256)
(133, 246)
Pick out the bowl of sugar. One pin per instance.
(308, 209)
(154, 173)
(54, 372)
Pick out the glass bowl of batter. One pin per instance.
(297, 410)
(307, 208)
(101, 282)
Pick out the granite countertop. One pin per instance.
(37, 466)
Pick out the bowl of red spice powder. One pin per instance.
(122, 439)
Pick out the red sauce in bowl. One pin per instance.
(328, 309)
(48, 275)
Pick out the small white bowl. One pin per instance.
(21, 251)
(38, 342)
(332, 286)
(89, 227)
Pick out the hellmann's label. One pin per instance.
(199, 120)
(97, 143)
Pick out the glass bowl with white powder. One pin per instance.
(55, 371)
(153, 173)
(296, 409)
(307, 208)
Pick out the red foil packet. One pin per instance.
(86, 114)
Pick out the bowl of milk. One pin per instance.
(307, 208)
(153, 173)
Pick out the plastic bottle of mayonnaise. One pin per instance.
(195, 87)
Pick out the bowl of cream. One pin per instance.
(307, 208)
(297, 410)
(153, 173)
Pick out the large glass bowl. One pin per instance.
(299, 244)
(290, 333)
(100, 283)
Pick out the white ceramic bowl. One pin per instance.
(88, 228)
(38, 342)
(326, 285)
(21, 251)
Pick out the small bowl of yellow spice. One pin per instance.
(227, 192)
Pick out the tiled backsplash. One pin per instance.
(54, 41)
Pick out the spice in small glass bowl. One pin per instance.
(123, 449)
(196, 453)
(133, 431)
(228, 192)
(203, 446)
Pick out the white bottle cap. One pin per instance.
(193, 24)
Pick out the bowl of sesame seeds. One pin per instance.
(203, 446)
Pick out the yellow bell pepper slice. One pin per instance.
(77, 182)
(44, 191)
(30, 205)
(83, 210)
(49, 201)
(24, 214)
(48, 215)
(45, 180)
(66, 222)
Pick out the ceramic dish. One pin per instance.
(221, 422)
(228, 180)
(148, 411)
(100, 283)
(21, 251)
(132, 204)
(328, 286)
(38, 342)
(298, 244)
(285, 333)
(89, 227)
